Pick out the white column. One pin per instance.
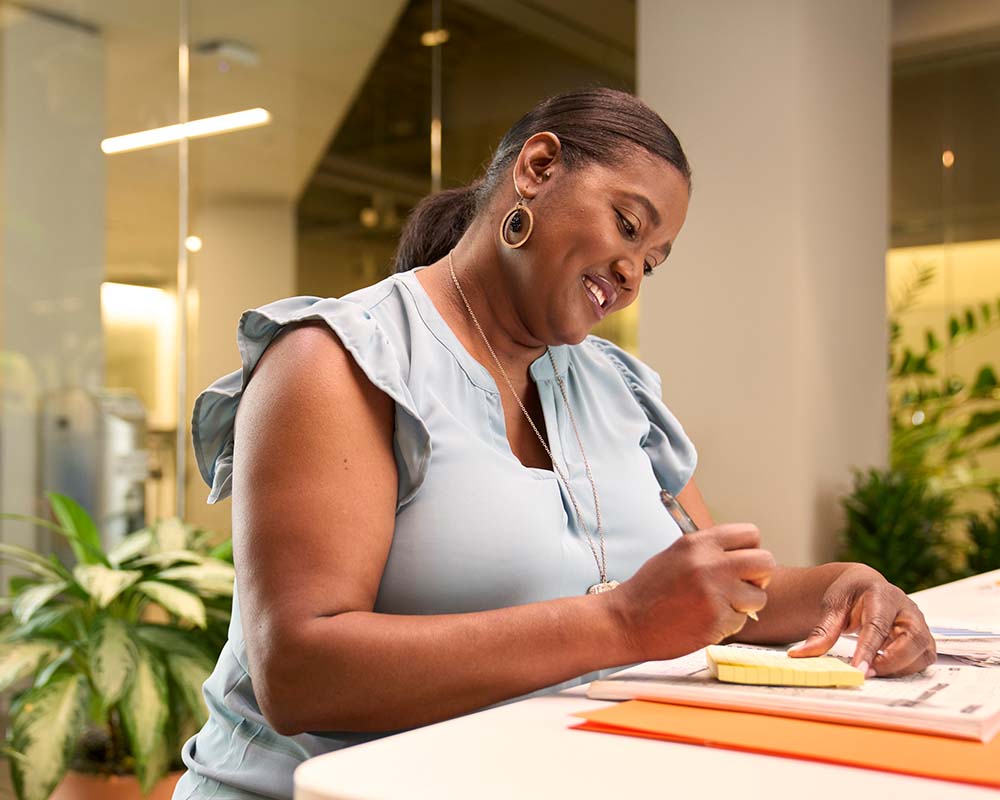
(768, 323)
(52, 244)
(247, 260)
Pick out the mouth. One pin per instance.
(602, 294)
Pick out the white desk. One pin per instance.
(526, 750)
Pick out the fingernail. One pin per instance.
(863, 667)
(870, 673)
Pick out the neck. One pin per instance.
(489, 290)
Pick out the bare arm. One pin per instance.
(314, 498)
(314, 508)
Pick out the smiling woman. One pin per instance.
(446, 491)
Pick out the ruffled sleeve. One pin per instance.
(670, 451)
(214, 416)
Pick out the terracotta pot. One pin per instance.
(81, 786)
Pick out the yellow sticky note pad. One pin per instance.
(762, 667)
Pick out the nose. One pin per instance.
(626, 273)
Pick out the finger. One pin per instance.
(733, 621)
(734, 536)
(904, 660)
(907, 651)
(754, 566)
(877, 618)
(824, 634)
(746, 598)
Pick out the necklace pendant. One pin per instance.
(604, 586)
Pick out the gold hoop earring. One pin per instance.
(518, 223)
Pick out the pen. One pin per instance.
(686, 524)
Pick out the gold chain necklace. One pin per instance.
(602, 565)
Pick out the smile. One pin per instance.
(601, 292)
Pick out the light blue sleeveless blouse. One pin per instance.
(475, 529)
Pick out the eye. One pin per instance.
(647, 269)
(627, 227)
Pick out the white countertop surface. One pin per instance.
(527, 750)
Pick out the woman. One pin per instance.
(439, 481)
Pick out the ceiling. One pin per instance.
(314, 62)
(313, 56)
(946, 103)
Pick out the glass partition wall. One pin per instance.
(88, 291)
(128, 261)
(944, 265)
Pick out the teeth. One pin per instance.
(595, 290)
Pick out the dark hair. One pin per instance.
(592, 124)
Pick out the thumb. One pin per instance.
(823, 635)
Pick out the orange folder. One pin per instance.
(872, 748)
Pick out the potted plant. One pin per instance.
(898, 524)
(108, 656)
(906, 520)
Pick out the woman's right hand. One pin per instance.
(694, 593)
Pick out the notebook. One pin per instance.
(769, 668)
(945, 699)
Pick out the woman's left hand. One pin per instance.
(893, 638)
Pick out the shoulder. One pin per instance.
(308, 355)
(636, 374)
(305, 360)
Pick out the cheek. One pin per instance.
(587, 242)
(578, 227)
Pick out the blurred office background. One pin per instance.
(817, 132)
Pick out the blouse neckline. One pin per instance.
(540, 369)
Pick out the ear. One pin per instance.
(537, 162)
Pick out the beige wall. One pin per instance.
(768, 326)
(247, 260)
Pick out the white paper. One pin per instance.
(954, 700)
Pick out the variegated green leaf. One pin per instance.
(223, 551)
(50, 670)
(132, 546)
(171, 639)
(30, 600)
(18, 660)
(175, 600)
(79, 528)
(30, 561)
(102, 583)
(171, 535)
(44, 731)
(156, 766)
(50, 623)
(210, 577)
(190, 674)
(112, 658)
(144, 709)
(167, 559)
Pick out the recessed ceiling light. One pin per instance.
(435, 37)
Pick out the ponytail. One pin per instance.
(435, 226)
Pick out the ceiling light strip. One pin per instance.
(209, 126)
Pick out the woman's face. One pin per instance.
(599, 230)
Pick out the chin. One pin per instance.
(571, 337)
